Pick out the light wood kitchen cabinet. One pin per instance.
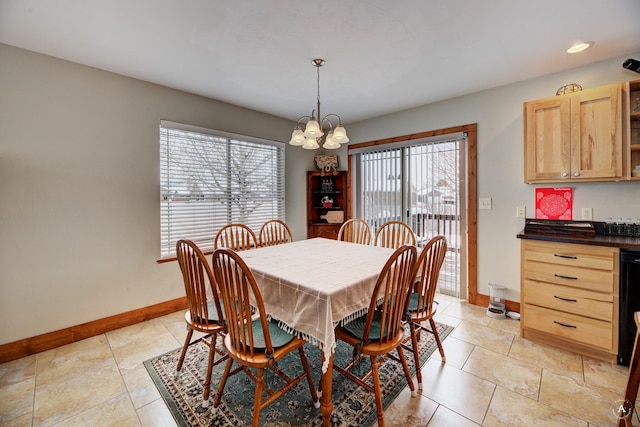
(575, 137)
(569, 296)
(634, 129)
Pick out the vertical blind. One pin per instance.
(210, 178)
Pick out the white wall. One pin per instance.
(79, 184)
(79, 189)
(500, 167)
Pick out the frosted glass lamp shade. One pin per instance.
(297, 137)
(313, 129)
(340, 134)
(311, 144)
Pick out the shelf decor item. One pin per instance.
(327, 163)
(327, 202)
(569, 88)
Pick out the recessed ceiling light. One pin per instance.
(579, 47)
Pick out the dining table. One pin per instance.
(311, 286)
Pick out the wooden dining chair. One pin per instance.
(274, 232)
(633, 382)
(393, 234)
(381, 330)
(420, 304)
(238, 237)
(355, 230)
(203, 315)
(253, 341)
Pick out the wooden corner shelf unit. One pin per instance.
(319, 214)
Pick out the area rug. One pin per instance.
(352, 405)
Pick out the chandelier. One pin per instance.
(319, 133)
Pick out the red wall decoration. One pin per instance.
(554, 203)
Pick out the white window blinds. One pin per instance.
(209, 179)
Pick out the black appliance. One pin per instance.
(629, 303)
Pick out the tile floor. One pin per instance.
(492, 378)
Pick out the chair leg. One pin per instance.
(258, 398)
(378, 392)
(223, 381)
(307, 371)
(437, 337)
(633, 381)
(407, 373)
(207, 381)
(184, 352)
(416, 355)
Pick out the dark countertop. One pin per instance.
(622, 242)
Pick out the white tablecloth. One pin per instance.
(312, 285)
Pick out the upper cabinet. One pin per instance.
(577, 137)
(634, 129)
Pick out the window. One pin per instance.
(209, 179)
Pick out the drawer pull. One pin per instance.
(565, 299)
(565, 277)
(565, 325)
(566, 256)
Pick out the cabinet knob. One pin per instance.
(564, 174)
(576, 174)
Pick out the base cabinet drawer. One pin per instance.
(570, 255)
(597, 280)
(595, 333)
(570, 300)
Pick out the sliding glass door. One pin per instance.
(422, 183)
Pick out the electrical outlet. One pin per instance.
(520, 212)
(587, 214)
(484, 203)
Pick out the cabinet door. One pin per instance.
(547, 146)
(596, 133)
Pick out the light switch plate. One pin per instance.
(484, 203)
(587, 214)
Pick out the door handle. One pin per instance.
(564, 324)
(566, 256)
(565, 299)
(565, 277)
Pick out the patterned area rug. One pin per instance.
(352, 405)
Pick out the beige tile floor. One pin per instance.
(492, 378)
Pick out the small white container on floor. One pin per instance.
(496, 309)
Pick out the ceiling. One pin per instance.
(381, 56)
